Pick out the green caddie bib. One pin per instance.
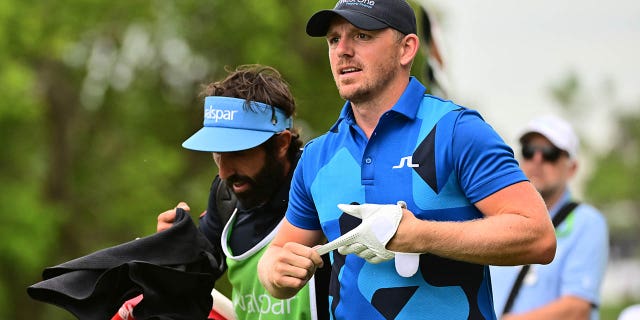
(250, 299)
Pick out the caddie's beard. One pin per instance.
(262, 186)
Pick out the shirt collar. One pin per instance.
(410, 100)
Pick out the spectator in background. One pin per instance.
(569, 287)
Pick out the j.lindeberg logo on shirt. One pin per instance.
(219, 114)
(408, 160)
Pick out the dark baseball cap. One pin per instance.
(366, 15)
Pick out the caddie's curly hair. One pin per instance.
(254, 82)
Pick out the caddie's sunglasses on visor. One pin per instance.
(549, 153)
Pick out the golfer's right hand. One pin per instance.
(167, 218)
(285, 270)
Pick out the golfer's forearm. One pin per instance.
(503, 240)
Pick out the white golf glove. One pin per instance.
(368, 240)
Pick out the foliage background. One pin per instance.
(97, 97)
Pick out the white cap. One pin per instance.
(630, 313)
(557, 130)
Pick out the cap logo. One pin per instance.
(219, 114)
(227, 112)
(364, 3)
(232, 124)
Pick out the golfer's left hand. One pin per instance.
(368, 240)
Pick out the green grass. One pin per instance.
(612, 311)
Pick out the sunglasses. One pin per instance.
(549, 153)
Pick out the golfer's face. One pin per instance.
(240, 168)
(363, 62)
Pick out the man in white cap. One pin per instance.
(569, 287)
(631, 312)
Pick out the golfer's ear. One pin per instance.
(410, 46)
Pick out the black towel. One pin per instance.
(173, 269)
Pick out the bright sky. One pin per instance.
(503, 55)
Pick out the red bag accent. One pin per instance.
(126, 311)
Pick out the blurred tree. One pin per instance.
(567, 91)
(614, 185)
(618, 170)
(97, 97)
